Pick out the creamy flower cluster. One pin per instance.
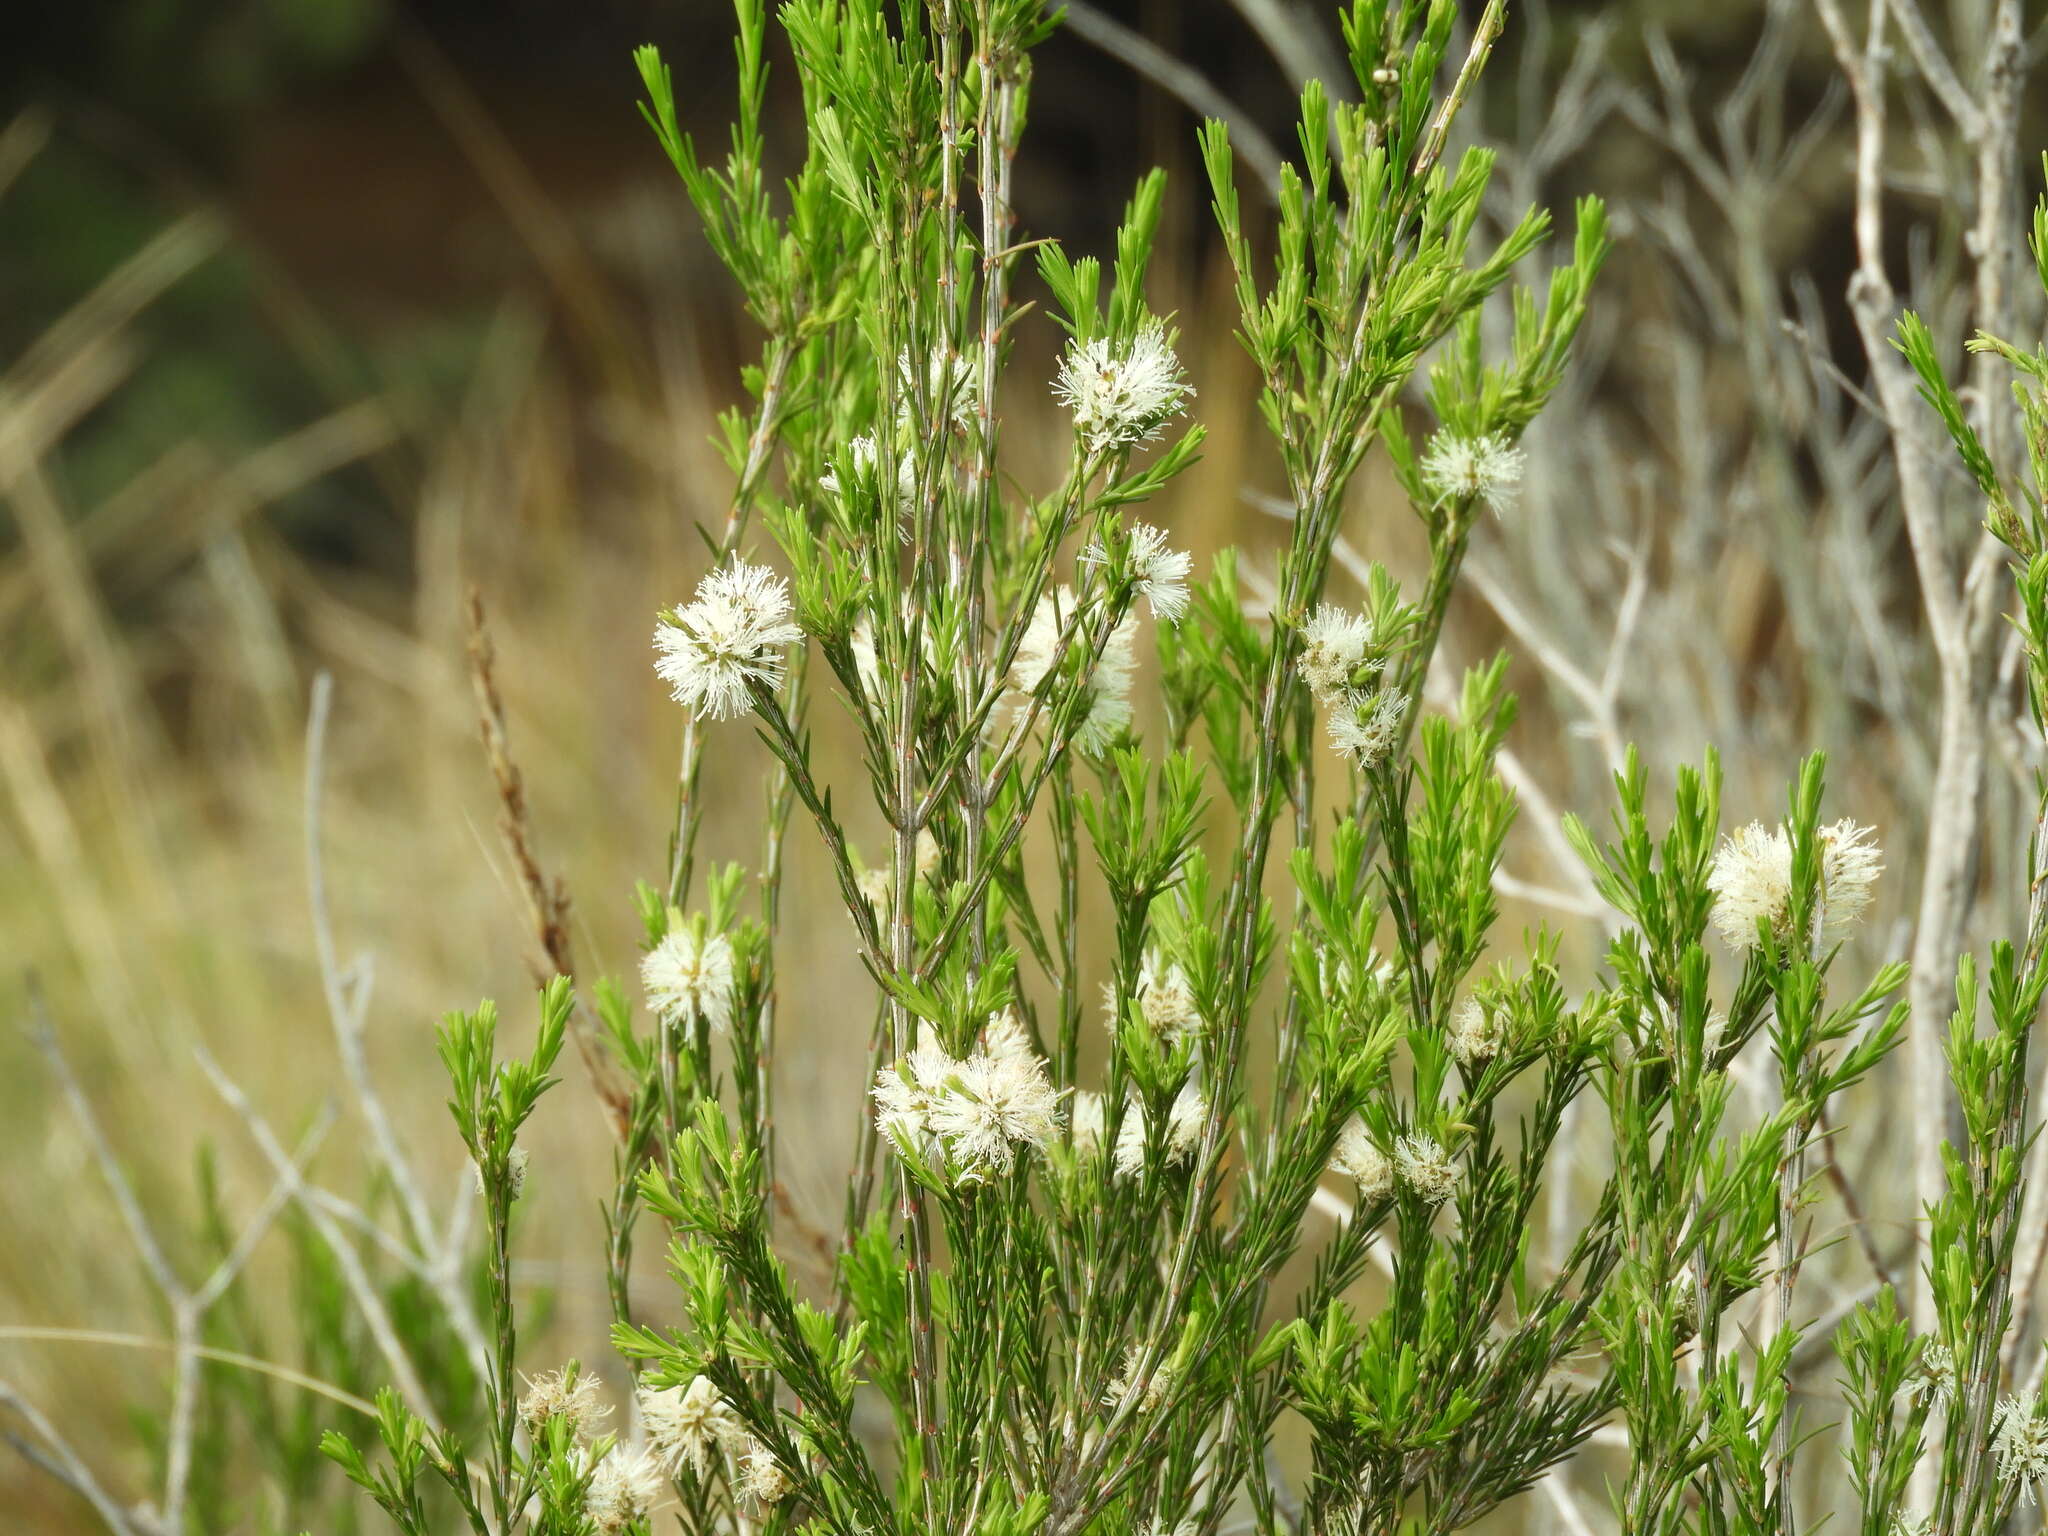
(1165, 997)
(954, 386)
(624, 1487)
(1157, 1389)
(954, 380)
(1478, 1031)
(1359, 1159)
(1107, 713)
(713, 650)
(1751, 879)
(2019, 1437)
(1185, 1117)
(1344, 664)
(625, 1482)
(516, 1163)
(1158, 572)
(689, 976)
(1486, 468)
(878, 886)
(1420, 1162)
(688, 1425)
(1121, 396)
(691, 1426)
(973, 1113)
(863, 457)
(572, 1394)
(1938, 1371)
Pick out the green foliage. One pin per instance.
(1062, 1292)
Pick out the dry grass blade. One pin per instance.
(20, 142)
(547, 901)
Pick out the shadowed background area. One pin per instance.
(314, 313)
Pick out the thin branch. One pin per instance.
(236, 1259)
(1565, 1503)
(1858, 1222)
(1936, 70)
(347, 1006)
(344, 1011)
(260, 1366)
(139, 1231)
(1299, 45)
(61, 1462)
(360, 1286)
(1189, 86)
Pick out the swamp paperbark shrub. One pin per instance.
(1067, 1217)
(1111, 1184)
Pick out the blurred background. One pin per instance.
(315, 312)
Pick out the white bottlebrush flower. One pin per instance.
(1426, 1168)
(688, 1425)
(906, 1091)
(1751, 879)
(1166, 999)
(732, 633)
(978, 1111)
(957, 387)
(1938, 1371)
(1712, 1033)
(867, 665)
(1109, 692)
(992, 1106)
(1090, 1116)
(1184, 1122)
(864, 455)
(2019, 1436)
(878, 885)
(1108, 698)
(1850, 862)
(711, 650)
(1486, 468)
(1364, 726)
(1360, 1160)
(1158, 1387)
(689, 974)
(1162, 573)
(1040, 646)
(571, 1395)
(1477, 1032)
(761, 1479)
(1159, 573)
(1335, 645)
(1004, 1037)
(1122, 397)
(1168, 1528)
(625, 1486)
(516, 1164)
